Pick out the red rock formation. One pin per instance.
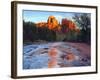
(52, 24)
(41, 24)
(69, 24)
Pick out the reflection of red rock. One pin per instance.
(70, 57)
(52, 63)
(53, 57)
(53, 52)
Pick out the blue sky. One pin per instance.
(42, 16)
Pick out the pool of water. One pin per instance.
(51, 55)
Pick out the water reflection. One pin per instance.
(53, 55)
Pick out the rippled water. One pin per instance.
(53, 55)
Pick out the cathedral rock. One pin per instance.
(52, 23)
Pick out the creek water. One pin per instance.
(53, 55)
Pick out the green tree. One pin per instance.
(84, 23)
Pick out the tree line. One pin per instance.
(32, 33)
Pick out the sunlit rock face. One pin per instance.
(52, 22)
(42, 24)
(69, 24)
